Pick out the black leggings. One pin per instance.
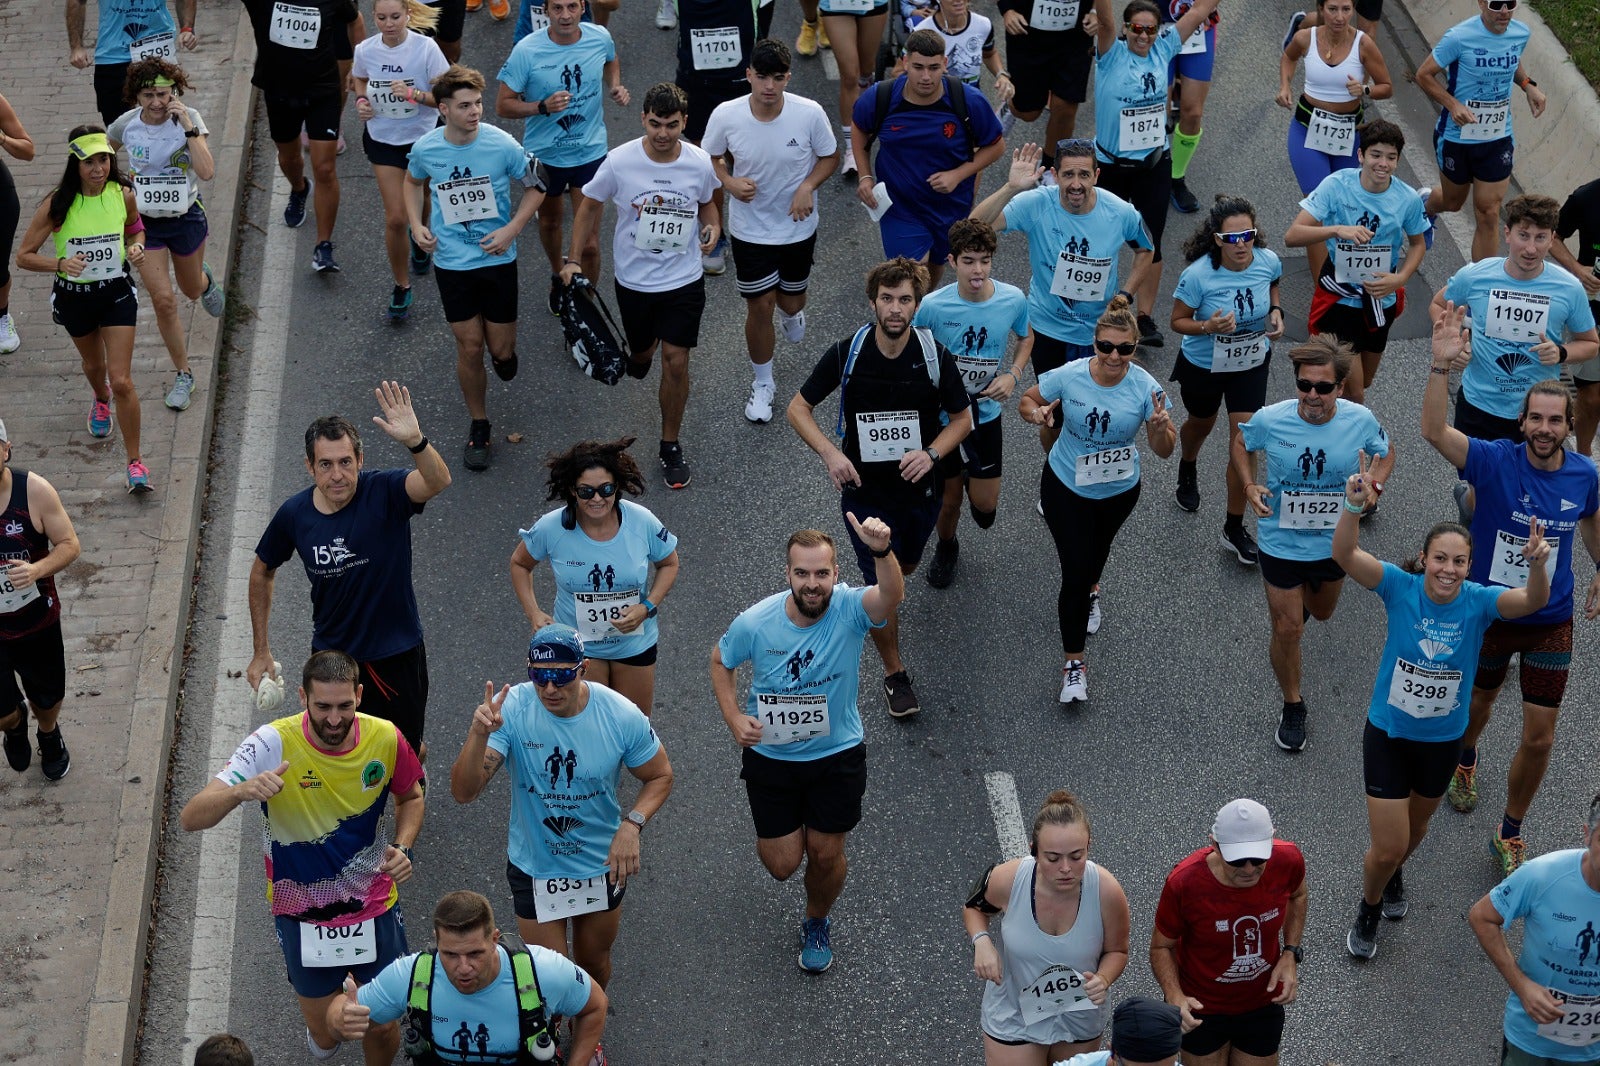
(1083, 530)
(10, 216)
(1148, 189)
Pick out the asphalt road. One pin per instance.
(1180, 720)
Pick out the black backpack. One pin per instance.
(953, 92)
(591, 332)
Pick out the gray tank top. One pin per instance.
(1042, 974)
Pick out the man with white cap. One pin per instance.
(1226, 947)
(1144, 1032)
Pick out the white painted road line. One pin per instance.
(1006, 813)
(830, 65)
(233, 712)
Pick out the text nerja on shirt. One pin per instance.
(1480, 67)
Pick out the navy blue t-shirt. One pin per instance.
(358, 560)
(919, 140)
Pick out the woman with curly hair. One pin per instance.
(601, 548)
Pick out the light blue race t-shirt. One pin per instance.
(564, 808)
(121, 22)
(1062, 246)
(1560, 950)
(1507, 317)
(1480, 67)
(1430, 654)
(598, 579)
(796, 671)
(1097, 454)
(1246, 294)
(1130, 101)
(975, 331)
(481, 1027)
(1393, 215)
(1306, 468)
(456, 172)
(539, 67)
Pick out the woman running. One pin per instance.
(855, 27)
(1340, 60)
(18, 145)
(1054, 959)
(168, 155)
(397, 109)
(94, 223)
(1091, 482)
(600, 548)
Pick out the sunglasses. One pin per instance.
(1074, 147)
(1321, 388)
(1239, 864)
(559, 676)
(1151, 31)
(589, 492)
(1501, 5)
(1106, 348)
(1244, 236)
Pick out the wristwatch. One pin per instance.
(406, 851)
(933, 453)
(649, 612)
(637, 819)
(1294, 949)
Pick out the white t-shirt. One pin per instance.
(416, 61)
(660, 195)
(162, 149)
(777, 155)
(964, 48)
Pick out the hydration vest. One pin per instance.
(535, 1044)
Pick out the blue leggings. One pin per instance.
(1311, 166)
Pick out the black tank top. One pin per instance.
(24, 611)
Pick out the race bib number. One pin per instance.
(884, 436)
(1355, 264)
(1052, 16)
(1518, 317)
(1331, 133)
(786, 719)
(13, 598)
(343, 945)
(154, 46)
(1579, 1024)
(1142, 128)
(294, 26)
(664, 229)
(1423, 693)
(1057, 991)
(555, 898)
(976, 373)
(1194, 44)
(1309, 510)
(1080, 278)
(467, 200)
(1112, 464)
(102, 256)
(386, 103)
(1509, 567)
(599, 611)
(1232, 352)
(716, 49)
(538, 19)
(1492, 120)
(161, 195)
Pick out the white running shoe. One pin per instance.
(10, 342)
(321, 1054)
(1008, 119)
(793, 326)
(667, 15)
(759, 407)
(1074, 686)
(1094, 612)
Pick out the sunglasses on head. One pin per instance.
(1106, 347)
(1074, 147)
(1244, 236)
(589, 492)
(1501, 5)
(1239, 864)
(559, 676)
(1143, 31)
(1321, 388)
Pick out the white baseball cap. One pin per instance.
(1243, 830)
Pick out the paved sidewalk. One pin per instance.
(77, 858)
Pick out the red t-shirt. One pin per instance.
(1228, 937)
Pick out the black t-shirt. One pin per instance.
(286, 66)
(1039, 42)
(877, 390)
(703, 27)
(1581, 215)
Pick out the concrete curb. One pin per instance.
(116, 1004)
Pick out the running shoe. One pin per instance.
(322, 258)
(1294, 28)
(716, 263)
(18, 752)
(474, 5)
(9, 341)
(758, 408)
(1008, 119)
(1394, 898)
(476, 454)
(599, 1057)
(1074, 684)
(942, 571)
(421, 262)
(1362, 939)
(1463, 793)
(400, 302)
(1095, 617)
(902, 698)
(1291, 735)
(1464, 502)
(294, 213)
(214, 300)
(1239, 541)
(54, 758)
(1188, 492)
(1149, 335)
(138, 479)
(1427, 236)
(556, 289)
(182, 391)
(100, 418)
(504, 369)
(816, 952)
(499, 9)
(1182, 198)
(793, 326)
(321, 1054)
(806, 43)
(847, 158)
(667, 15)
(822, 35)
(1508, 851)
(674, 467)
(1039, 506)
